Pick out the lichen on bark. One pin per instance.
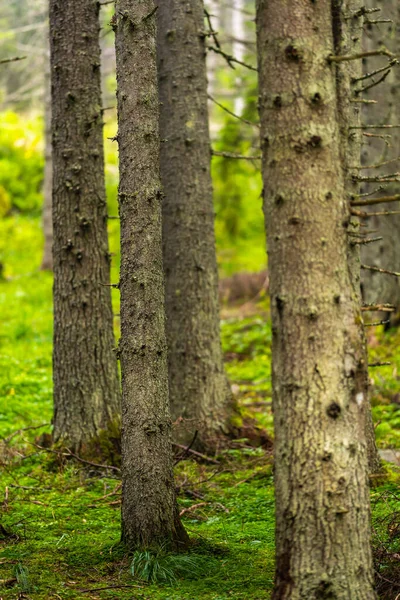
(321, 467)
(86, 385)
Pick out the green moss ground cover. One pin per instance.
(59, 519)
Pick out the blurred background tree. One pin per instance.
(237, 183)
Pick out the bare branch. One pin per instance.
(231, 59)
(379, 270)
(372, 201)
(233, 155)
(348, 57)
(9, 60)
(227, 110)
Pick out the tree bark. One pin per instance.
(47, 217)
(199, 391)
(385, 253)
(347, 41)
(86, 386)
(321, 469)
(149, 509)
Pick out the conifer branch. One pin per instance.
(378, 307)
(377, 323)
(361, 12)
(366, 241)
(348, 57)
(231, 59)
(376, 72)
(227, 110)
(374, 83)
(363, 101)
(367, 215)
(234, 155)
(373, 201)
(380, 364)
(379, 270)
(9, 60)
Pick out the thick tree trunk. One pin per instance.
(199, 390)
(347, 42)
(149, 509)
(47, 217)
(86, 386)
(386, 253)
(322, 493)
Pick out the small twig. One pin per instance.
(379, 270)
(361, 12)
(377, 323)
(10, 437)
(379, 364)
(112, 285)
(372, 201)
(376, 72)
(151, 13)
(374, 83)
(379, 165)
(9, 60)
(185, 453)
(363, 101)
(230, 58)
(375, 191)
(233, 155)
(192, 508)
(347, 57)
(365, 126)
(378, 178)
(93, 464)
(195, 453)
(366, 241)
(115, 491)
(69, 453)
(366, 215)
(378, 308)
(227, 110)
(108, 587)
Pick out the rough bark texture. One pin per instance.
(86, 386)
(149, 509)
(322, 495)
(197, 383)
(47, 217)
(386, 253)
(347, 41)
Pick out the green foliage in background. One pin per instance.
(21, 163)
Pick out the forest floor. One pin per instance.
(60, 518)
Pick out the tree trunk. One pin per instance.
(47, 218)
(199, 391)
(86, 386)
(321, 471)
(385, 253)
(347, 41)
(149, 510)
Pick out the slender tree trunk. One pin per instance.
(322, 494)
(47, 217)
(386, 253)
(347, 41)
(199, 391)
(149, 510)
(86, 386)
